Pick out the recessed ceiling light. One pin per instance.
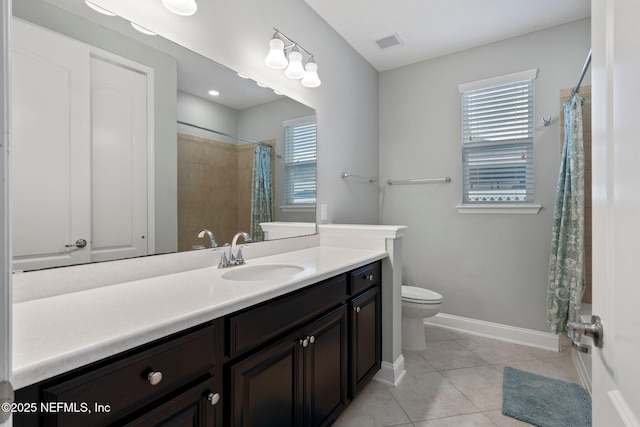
(143, 30)
(181, 7)
(242, 76)
(99, 9)
(261, 84)
(214, 93)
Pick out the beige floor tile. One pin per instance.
(414, 363)
(472, 420)
(375, 406)
(430, 395)
(504, 421)
(435, 334)
(497, 351)
(445, 355)
(482, 385)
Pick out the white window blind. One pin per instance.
(300, 163)
(497, 142)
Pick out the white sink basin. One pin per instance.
(262, 272)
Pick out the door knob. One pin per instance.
(80, 243)
(593, 330)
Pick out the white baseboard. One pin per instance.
(391, 373)
(528, 337)
(580, 361)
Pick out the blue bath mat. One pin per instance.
(543, 401)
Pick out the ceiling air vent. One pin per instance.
(388, 42)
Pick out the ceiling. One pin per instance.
(431, 28)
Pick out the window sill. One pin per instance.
(305, 208)
(499, 209)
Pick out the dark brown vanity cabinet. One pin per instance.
(173, 381)
(295, 360)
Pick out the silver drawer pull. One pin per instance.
(213, 398)
(356, 309)
(368, 277)
(154, 377)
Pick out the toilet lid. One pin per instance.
(414, 294)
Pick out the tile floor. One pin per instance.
(455, 382)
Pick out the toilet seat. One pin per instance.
(417, 295)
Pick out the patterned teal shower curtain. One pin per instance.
(261, 197)
(566, 266)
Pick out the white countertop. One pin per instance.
(57, 334)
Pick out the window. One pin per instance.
(300, 162)
(497, 140)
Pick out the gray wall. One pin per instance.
(487, 267)
(237, 34)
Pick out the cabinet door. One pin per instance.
(325, 366)
(366, 350)
(266, 388)
(194, 408)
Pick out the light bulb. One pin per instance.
(181, 7)
(311, 78)
(275, 58)
(295, 70)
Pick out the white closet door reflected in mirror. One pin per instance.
(80, 152)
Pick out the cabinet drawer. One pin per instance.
(258, 325)
(124, 385)
(365, 277)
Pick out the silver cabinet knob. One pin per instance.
(312, 339)
(213, 398)
(356, 309)
(368, 277)
(304, 342)
(80, 243)
(154, 377)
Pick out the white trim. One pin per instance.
(623, 409)
(513, 334)
(578, 360)
(527, 209)
(293, 208)
(391, 373)
(494, 81)
(306, 119)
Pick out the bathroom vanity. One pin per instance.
(249, 352)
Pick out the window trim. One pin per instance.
(300, 207)
(498, 208)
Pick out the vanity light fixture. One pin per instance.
(290, 58)
(99, 9)
(181, 7)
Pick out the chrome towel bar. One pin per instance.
(419, 181)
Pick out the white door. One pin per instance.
(50, 111)
(119, 161)
(616, 210)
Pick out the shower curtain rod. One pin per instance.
(582, 73)
(224, 134)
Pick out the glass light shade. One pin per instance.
(275, 58)
(181, 7)
(295, 70)
(311, 78)
(99, 9)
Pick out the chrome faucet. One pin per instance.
(238, 258)
(204, 232)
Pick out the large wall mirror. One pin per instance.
(120, 151)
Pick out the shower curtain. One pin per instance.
(261, 196)
(566, 266)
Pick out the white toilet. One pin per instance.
(417, 304)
